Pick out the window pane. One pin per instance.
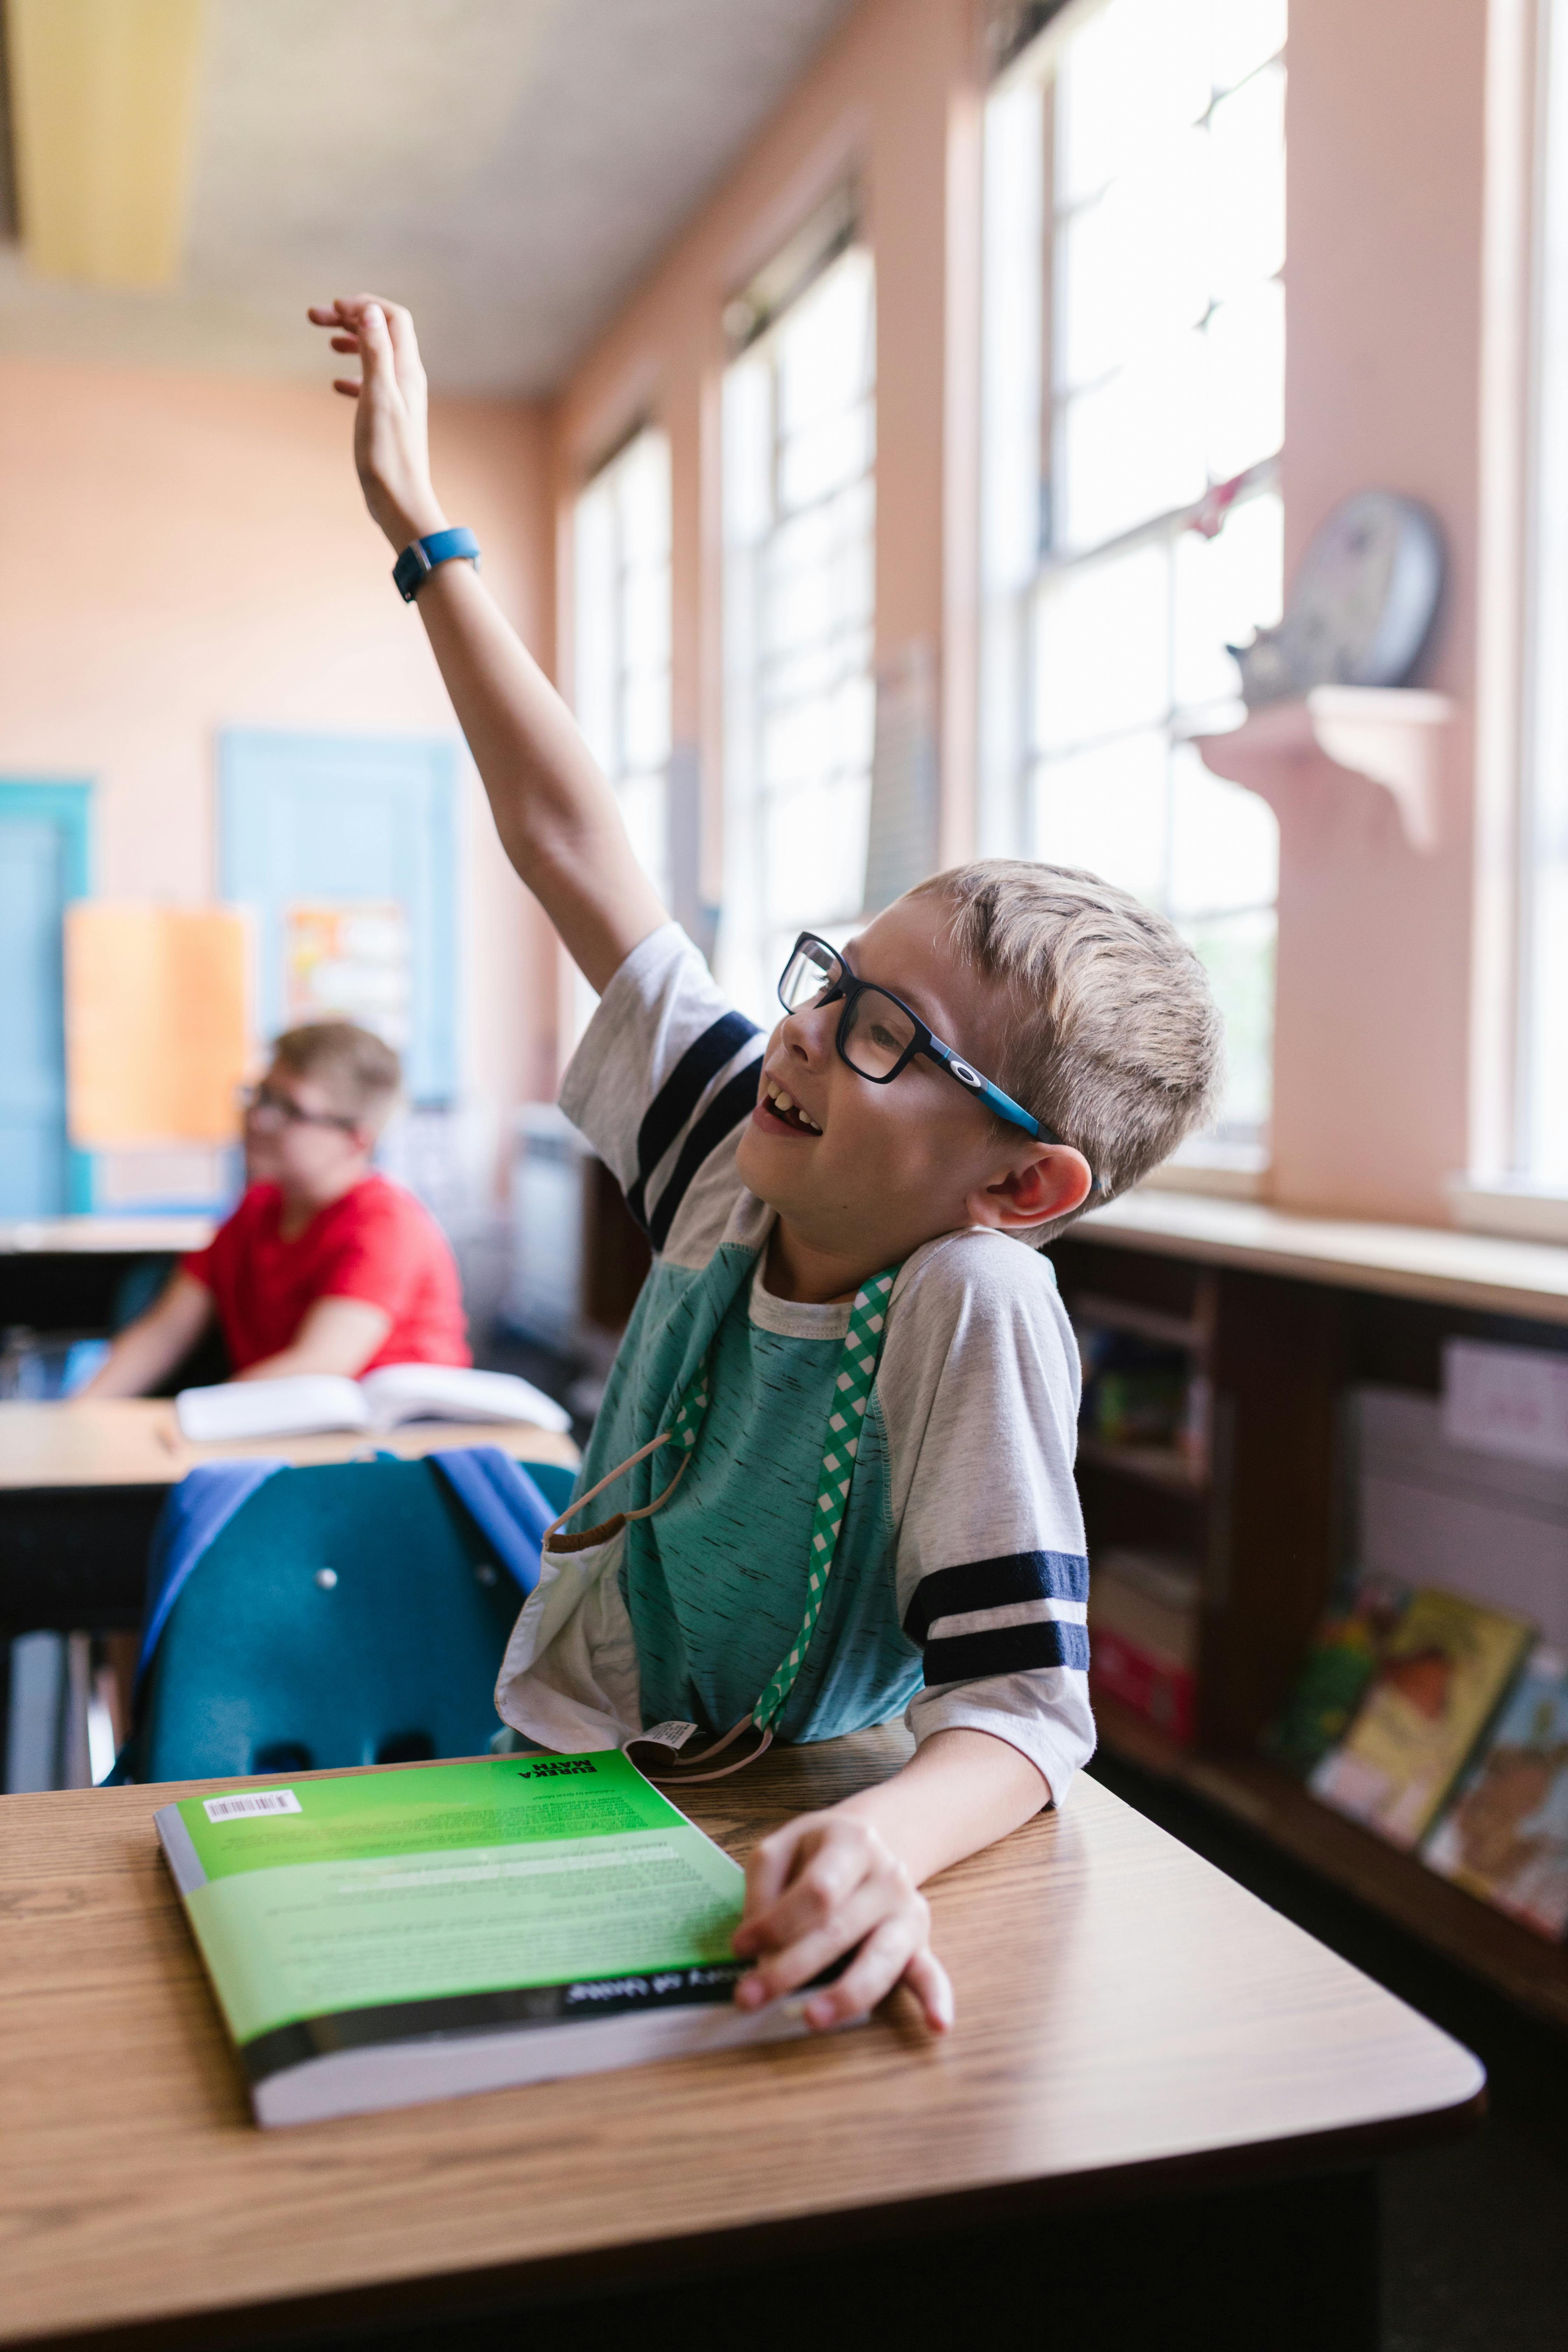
(1225, 843)
(824, 454)
(799, 511)
(1246, 381)
(1105, 810)
(1239, 955)
(1102, 635)
(1133, 448)
(1245, 32)
(1247, 226)
(1133, 266)
(1225, 588)
(621, 636)
(814, 853)
(1137, 70)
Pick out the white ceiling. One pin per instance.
(509, 168)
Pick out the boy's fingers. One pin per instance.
(795, 1964)
(816, 1898)
(345, 343)
(768, 1869)
(349, 391)
(875, 1970)
(933, 1988)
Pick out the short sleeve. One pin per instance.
(210, 1266)
(372, 1260)
(666, 1073)
(979, 1393)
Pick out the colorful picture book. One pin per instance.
(1505, 1837)
(1346, 1652)
(1143, 1636)
(1445, 1666)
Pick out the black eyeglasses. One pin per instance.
(879, 1035)
(265, 1102)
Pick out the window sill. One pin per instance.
(1230, 1171)
(1511, 1206)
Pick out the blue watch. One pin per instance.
(417, 562)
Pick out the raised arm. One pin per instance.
(556, 814)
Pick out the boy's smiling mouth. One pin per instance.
(776, 1110)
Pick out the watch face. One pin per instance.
(1366, 594)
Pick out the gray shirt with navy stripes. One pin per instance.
(959, 1586)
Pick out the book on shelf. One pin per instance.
(1445, 1666)
(1141, 1393)
(1345, 1653)
(1143, 1636)
(306, 1404)
(379, 1938)
(1505, 1836)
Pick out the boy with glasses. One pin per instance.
(832, 1478)
(324, 1267)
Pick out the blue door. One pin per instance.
(43, 866)
(346, 818)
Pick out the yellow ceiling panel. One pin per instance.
(103, 101)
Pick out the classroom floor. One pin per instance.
(1474, 2251)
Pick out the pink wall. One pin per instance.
(1385, 125)
(202, 558)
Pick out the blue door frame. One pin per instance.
(54, 831)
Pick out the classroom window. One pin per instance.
(1134, 372)
(621, 637)
(799, 430)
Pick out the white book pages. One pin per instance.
(295, 1407)
(400, 1392)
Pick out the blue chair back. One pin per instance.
(351, 1614)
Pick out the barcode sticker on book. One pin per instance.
(264, 1800)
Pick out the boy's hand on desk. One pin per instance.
(392, 453)
(816, 1889)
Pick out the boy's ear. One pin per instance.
(1046, 1182)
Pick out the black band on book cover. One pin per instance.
(462, 2014)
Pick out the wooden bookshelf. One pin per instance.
(1524, 1965)
(1283, 1315)
(1157, 1466)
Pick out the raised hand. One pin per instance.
(392, 450)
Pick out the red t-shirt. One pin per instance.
(376, 1243)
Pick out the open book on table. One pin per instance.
(308, 1402)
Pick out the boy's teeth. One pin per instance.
(784, 1101)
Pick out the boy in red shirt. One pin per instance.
(324, 1267)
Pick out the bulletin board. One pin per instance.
(157, 1029)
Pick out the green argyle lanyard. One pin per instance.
(852, 1394)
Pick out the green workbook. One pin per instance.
(376, 1938)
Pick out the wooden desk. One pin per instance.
(63, 1274)
(81, 1485)
(1130, 2024)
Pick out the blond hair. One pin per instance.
(1112, 1037)
(361, 1068)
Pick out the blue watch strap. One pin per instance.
(417, 562)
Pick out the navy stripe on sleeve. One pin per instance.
(992, 1583)
(679, 1095)
(729, 1107)
(1007, 1649)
